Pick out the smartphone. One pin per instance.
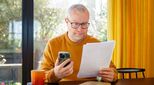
(63, 55)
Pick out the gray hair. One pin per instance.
(77, 7)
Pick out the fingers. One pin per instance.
(68, 72)
(61, 71)
(107, 79)
(107, 74)
(64, 63)
(69, 66)
(106, 69)
(57, 62)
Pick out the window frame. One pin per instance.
(27, 40)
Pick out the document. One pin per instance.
(95, 56)
(95, 83)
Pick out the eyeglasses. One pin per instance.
(76, 25)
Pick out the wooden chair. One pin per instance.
(123, 71)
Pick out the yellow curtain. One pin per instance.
(131, 25)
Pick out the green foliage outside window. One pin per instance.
(48, 18)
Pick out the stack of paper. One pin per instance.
(94, 57)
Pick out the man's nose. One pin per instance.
(79, 28)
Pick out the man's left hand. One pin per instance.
(107, 74)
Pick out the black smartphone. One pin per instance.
(63, 55)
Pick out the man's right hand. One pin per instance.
(61, 70)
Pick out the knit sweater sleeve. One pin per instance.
(47, 63)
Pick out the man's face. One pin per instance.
(78, 23)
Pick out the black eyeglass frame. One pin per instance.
(76, 25)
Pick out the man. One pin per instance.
(72, 41)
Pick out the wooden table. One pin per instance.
(146, 81)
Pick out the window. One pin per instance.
(49, 21)
(10, 40)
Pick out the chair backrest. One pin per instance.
(123, 71)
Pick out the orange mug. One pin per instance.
(37, 77)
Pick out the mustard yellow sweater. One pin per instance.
(63, 43)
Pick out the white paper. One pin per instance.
(94, 57)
